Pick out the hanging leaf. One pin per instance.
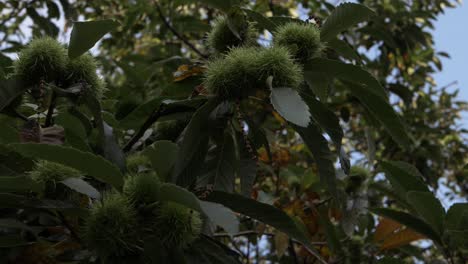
(75, 132)
(8, 134)
(185, 71)
(369, 92)
(428, 207)
(325, 118)
(224, 5)
(162, 155)
(108, 146)
(247, 164)
(194, 143)
(385, 229)
(457, 217)
(84, 35)
(343, 17)
(262, 212)
(390, 234)
(343, 49)
(384, 113)
(9, 90)
(261, 21)
(225, 165)
(82, 186)
(289, 104)
(410, 221)
(19, 184)
(318, 83)
(400, 239)
(323, 157)
(403, 177)
(221, 216)
(174, 193)
(85, 162)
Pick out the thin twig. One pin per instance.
(177, 34)
(150, 121)
(292, 252)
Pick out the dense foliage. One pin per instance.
(221, 131)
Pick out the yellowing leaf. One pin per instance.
(385, 228)
(279, 118)
(281, 243)
(185, 71)
(400, 238)
(390, 234)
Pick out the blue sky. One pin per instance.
(451, 35)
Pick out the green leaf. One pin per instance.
(236, 21)
(261, 21)
(162, 155)
(263, 212)
(9, 90)
(174, 193)
(247, 166)
(107, 142)
(403, 177)
(223, 5)
(281, 20)
(221, 216)
(289, 104)
(343, 17)
(336, 69)
(137, 117)
(225, 164)
(428, 207)
(369, 92)
(8, 134)
(459, 238)
(457, 217)
(84, 35)
(410, 221)
(82, 186)
(325, 118)
(75, 132)
(318, 83)
(8, 200)
(85, 162)
(19, 184)
(323, 157)
(343, 49)
(384, 113)
(193, 144)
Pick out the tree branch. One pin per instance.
(151, 119)
(177, 34)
